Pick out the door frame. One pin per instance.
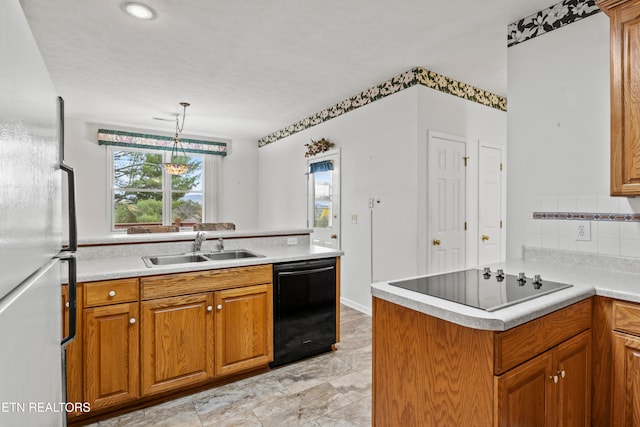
(335, 155)
(469, 149)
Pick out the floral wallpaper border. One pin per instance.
(587, 216)
(400, 82)
(560, 14)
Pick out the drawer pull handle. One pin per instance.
(132, 320)
(554, 378)
(112, 293)
(219, 307)
(209, 308)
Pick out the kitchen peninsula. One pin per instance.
(526, 364)
(148, 333)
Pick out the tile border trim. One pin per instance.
(587, 216)
(417, 75)
(557, 16)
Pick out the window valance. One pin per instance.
(159, 142)
(323, 166)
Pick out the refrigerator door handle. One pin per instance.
(73, 230)
(71, 260)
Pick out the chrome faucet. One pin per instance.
(220, 245)
(200, 237)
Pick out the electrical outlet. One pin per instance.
(583, 230)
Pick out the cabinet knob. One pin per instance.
(66, 304)
(209, 308)
(219, 307)
(485, 237)
(132, 320)
(554, 378)
(561, 374)
(112, 293)
(436, 242)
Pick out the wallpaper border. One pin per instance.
(410, 78)
(588, 216)
(557, 16)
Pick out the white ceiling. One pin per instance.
(251, 67)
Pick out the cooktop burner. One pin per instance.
(486, 290)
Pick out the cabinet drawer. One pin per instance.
(626, 317)
(523, 342)
(110, 292)
(204, 281)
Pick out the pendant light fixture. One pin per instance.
(176, 167)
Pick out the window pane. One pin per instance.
(192, 180)
(323, 207)
(132, 169)
(137, 207)
(187, 207)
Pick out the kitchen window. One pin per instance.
(142, 193)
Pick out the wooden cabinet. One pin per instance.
(625, 95)
(244, 328)
(625, 402)
(425, 368)
(111, 373)
(110, 342)
(177, 342)
(553, 389)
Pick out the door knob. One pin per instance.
(485, 237)
(436, 242)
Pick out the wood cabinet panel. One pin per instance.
(204, 281)
(573, 367)
(525, 395)
(601, 362)
(111, 354)
(176, 342)
(73, 350)
(243, 328)
(428, 370)
(626, 380)
(526, 341)
(110, 292)
(626, 317)
(625, 95)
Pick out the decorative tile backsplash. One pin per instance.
(587, 216)
(560, 14)
(400, 82)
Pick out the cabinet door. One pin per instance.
(111, 354)
(573, 364)
(525, 394)
(177, 342)
(626, 380)
(244, 328)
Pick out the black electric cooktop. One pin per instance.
(486, 290)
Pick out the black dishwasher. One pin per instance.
(304, 305)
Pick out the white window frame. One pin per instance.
(166, 185)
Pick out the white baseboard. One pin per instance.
(356, 306)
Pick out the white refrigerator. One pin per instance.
(32, 174)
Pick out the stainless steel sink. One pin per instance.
(232, 254)
(156, 261)
(152, 261)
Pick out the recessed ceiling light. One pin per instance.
(138, 10)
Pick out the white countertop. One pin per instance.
(586, 281)
(89, 270)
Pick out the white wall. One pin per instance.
(558, 138)
(383, 155)
(237, 193)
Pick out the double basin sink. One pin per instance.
(189, 258)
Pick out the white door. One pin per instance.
(323, 211)
(447, 208)
(490, 205)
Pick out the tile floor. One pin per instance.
(332, 389)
